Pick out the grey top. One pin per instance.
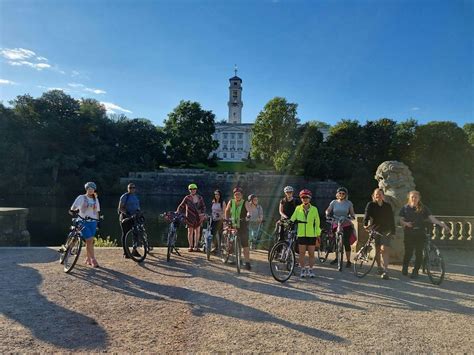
(340, 208)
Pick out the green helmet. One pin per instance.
(192, 186)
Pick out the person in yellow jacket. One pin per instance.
(308, 233)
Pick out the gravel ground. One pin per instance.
(192, 305)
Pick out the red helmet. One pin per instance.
(237, 189)
(305, 192)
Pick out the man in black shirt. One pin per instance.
(287, 207)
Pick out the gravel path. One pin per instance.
(191, 305)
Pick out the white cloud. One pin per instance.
(42, 59)
(75, 85)
(6, 82)
(95, 91)
(37, 66)
(49, 88)
(415, 108)
(110, 107)
(17, 53)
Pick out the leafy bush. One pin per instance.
(107, 242)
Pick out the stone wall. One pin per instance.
(175, 182)
(13, 230)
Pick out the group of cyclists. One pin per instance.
(246, 215)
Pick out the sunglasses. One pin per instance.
(132, 187)
(305, 198)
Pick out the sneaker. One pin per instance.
(405, 271)
(136, 253)
(197, 249)
(385, 276)
(94, 263)
(348, 264)
(414, 274)
(87, 261)
(311, 273)
(303, 273)
(379, 271)
(247, 266)
(334, 262)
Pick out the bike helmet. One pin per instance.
(251, 197)
(90, 185)
(342, 189)
(288, 189)
(237, 189)
(192, 186)
(306, 192)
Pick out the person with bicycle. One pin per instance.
(307, 233)
(379, 216)
(218, 207)
(254, 216)
(194, 208)
(129, 204)
(286, 208)
(88, 206)
(236, 212)
(413, 217)
(342, 207)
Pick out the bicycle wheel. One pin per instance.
(62, 251)
(282, 261)
(171, 240)
(340, 253)
(225, 248)
(435, 266)
(323, 250)
(208, 245)
(364, 260)
(238, 253)
(71, 255)
(135, 245)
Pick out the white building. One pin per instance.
(234, 137)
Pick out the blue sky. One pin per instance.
(336, 59)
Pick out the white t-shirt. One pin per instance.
(87, 206)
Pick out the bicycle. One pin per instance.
(365, 257)
(282, 255)
(339, 238)
(284, 224)
(70, 251)
(433, 262)
(327, 244)
(230, 245)
(206, 237)
(137, 239)
(260, 236)
(174, 219)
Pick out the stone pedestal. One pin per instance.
(397, 248)
(13, 230)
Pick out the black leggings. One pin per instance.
(347, 231)
(413, 240)
(125, 224)
(216, 228)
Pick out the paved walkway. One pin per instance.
(191, 305)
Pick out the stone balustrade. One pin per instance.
(13, 230)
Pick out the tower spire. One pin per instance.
(235, 69)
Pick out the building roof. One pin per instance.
(235, 77)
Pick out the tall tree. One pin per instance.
(273, 134)
(188, 131)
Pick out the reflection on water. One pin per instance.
(48, 220)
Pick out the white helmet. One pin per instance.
(288, 189)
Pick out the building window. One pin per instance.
(240, 143)
(232, 136)
(232, 155)
(225, 135)
(235, 83)
(241, 135)
(225, 147)
(224, 155)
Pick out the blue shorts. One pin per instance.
(89, 229)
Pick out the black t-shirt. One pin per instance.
(382, 216)
(417, 218)
(289, 206)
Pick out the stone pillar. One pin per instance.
(13, 230)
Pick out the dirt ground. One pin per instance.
(192, 305)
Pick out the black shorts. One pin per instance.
(307, 240)
(243, 233)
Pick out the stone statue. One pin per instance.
(396, 181)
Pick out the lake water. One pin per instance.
(49, 221)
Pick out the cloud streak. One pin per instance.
(6, 82)
(86, 89)
(112, 108)
(20, 57)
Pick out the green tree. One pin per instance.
(469, 129)
(273, 134)
(188, 131)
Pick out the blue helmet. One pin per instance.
(90, 185)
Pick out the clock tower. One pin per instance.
(235, 99)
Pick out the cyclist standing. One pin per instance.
(218, 207)
(87, 205)
(307, 233)
(379, 215)
(342, 207)
(413, 217)
(287, 207)
(194, 207)
(255, 216)
(129, 204)
(236, 211)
